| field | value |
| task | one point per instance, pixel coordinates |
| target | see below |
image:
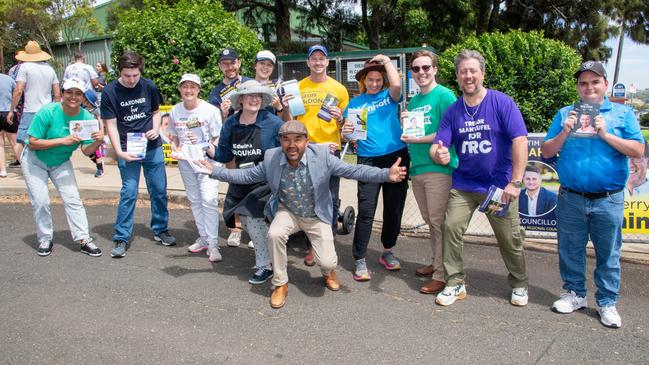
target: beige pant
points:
(319, 233)
(431, 190)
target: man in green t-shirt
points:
(48, 158)
(431, 183)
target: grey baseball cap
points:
(592, 66)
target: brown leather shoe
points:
(432, 287)
(425, 271)
(309, 259)
(331, 281)
(278, 298)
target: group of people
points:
(284, 170)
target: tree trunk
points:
(282, 24)
(371, 32)
(620, 44)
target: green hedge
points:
(185, 37)
(535, 71)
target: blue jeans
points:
(601, 219)
(156, 183)
(23, 126)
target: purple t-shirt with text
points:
(483, 143)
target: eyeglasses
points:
(426, 68)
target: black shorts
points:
(4, 126)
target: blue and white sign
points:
(619, 90)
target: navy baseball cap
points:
(228, 54)
(317, 47)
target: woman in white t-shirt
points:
(193, 129)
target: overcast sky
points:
(634, 66)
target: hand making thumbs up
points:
(397, 173)
(439, 153)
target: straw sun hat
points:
(33, 53)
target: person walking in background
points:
(7, 128)
(380, 88)
(37, 81)
(130, 107)
(197, 122)
(431, 182)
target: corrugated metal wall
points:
(97, 50)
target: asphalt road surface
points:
(165, 305)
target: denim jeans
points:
(579, 218)
(25, 122)
(156, 183)
(202, 193)
(36, 175)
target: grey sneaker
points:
(214, 255)
(609, 317)
(165, 238)
(234, 239)
(390, 262)
(361, 273)
(569, 302)
(89, 248)
(119, 250)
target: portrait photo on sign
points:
(539, 193)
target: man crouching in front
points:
(298, 175)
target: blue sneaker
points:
(165, 238)
(260, 276)
(119, 250)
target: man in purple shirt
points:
(487, 131)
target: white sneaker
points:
(450, 294)
(251, 245)
(609, 317)
(214, 254)
(234, 239)
(3, 173)
(519, 297)
(569, 302)
(198, 246)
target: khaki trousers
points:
(319, 233)
(431, 190)
(510, 236)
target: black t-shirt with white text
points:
(132, 107)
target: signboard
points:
(619, 90)
(542, 180)
(354, 66)
(633, 88)
(413, 88)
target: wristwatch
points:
(517, 183)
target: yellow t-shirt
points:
(313, 95)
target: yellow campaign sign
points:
(636, 213)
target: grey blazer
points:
(322, 165)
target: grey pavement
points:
(163, 305)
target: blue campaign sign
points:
(619, 90)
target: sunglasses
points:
(426, 68)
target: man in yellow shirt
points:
(315, 89)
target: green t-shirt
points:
(433, 105)
(50, 122)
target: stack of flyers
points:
(194, 126)
(136, 144)
(325, 110)
(493, 203)
(358, 117)
(586, 113)
(192, 153)
(295, 105)
(413, 123)
(84, 128)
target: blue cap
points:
(318, 47)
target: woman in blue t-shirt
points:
(380, 145)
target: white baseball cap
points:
(190, 77)
(74, 84)
(265, 55)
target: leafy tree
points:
(535, 71)
(75, 19)
(335, 19)
(279, 21)
(644, 120)
(185, 37)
